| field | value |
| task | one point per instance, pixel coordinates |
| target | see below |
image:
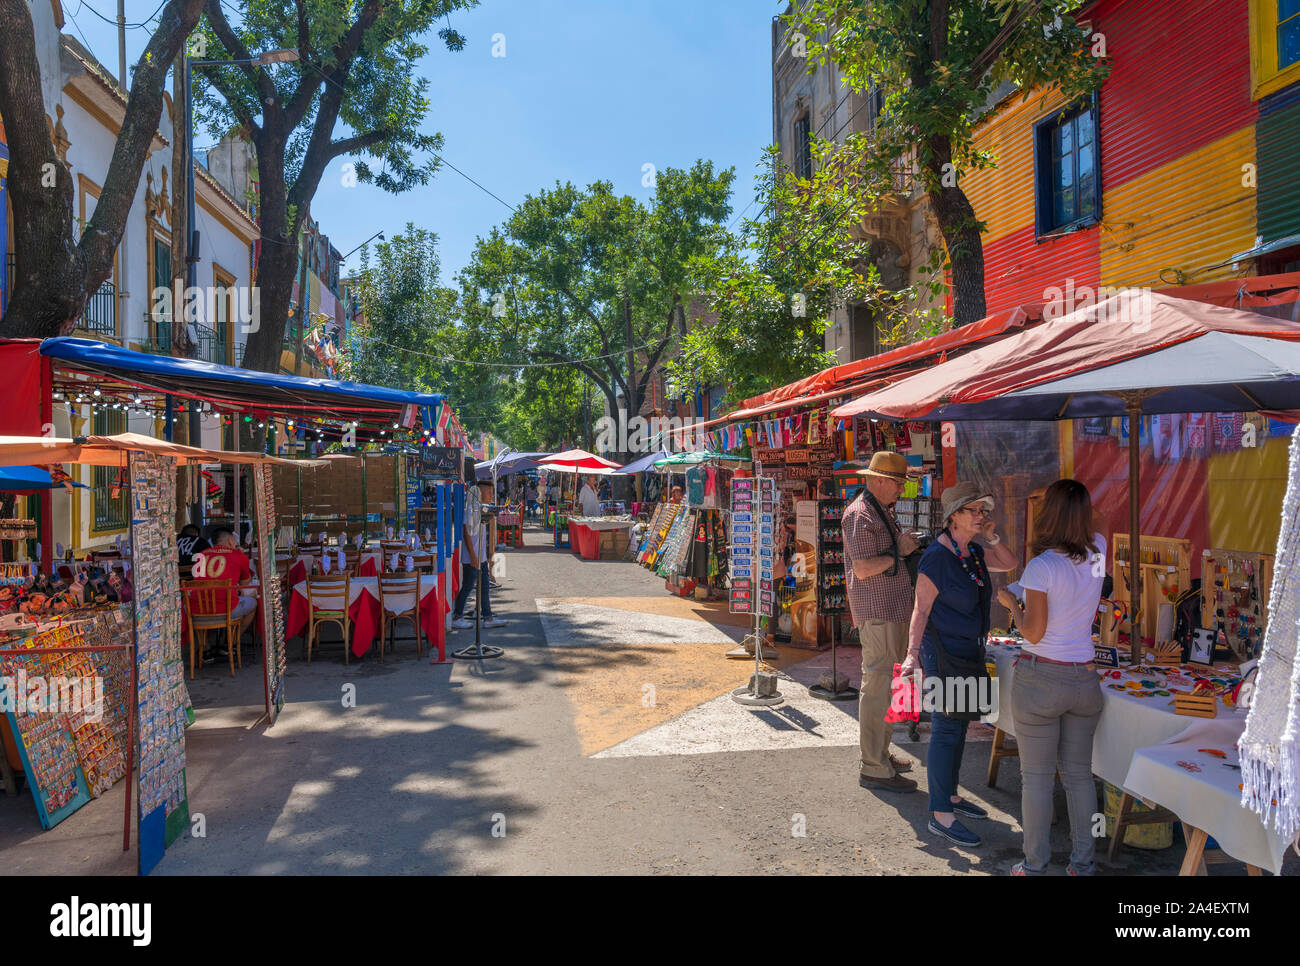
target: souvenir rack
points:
(1165, 571)
(1235, 585)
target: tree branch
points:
(229, 39)
(214, 77)
(989, 55)
(349, 145)
(343, 52)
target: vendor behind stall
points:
(588, 500)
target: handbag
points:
(970, 672)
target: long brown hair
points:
(1064, 521)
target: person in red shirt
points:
(225, 561)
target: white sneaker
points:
(494, 622)
(461, 623)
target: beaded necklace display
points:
(962, 557)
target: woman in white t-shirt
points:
(1056, 694)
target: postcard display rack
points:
(273, 659)
(163, 710)
(70, 753)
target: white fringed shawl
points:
(1270, 745)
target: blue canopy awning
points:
(644, 463)
(19, 479)
(168, 374)
(510, 463)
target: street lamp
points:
(378, 234)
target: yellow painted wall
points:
(1187, 215)
(1003, 196)
(1245, 496)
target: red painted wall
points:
(1018, 270)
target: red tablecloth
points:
(584, 541)
(364, 611)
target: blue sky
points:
(587, 90)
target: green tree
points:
(56, 272)
(772, 287)
(938, 62)
(597, 280)
(356, 65)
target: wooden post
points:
(1134, 401)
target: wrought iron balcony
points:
(159, 340)
(100, 316)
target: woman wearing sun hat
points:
(954, 591)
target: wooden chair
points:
(327, 603)
(424, 562)
(351, 560)
(207, 608)
(394, 591)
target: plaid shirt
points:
(866, 535)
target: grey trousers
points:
(1056, 708)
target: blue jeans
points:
(947, 743)
(469, 576)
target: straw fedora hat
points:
(892, 466)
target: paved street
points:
(555, 743)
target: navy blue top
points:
(956, 614)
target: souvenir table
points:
(1132, 716)
(584, 533)
(363, 607)
(1191, 776)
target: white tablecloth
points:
(602, 523)
(1210, 799)
(1126, 724)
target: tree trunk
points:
(961, 233)
(277, 262)
(54, 273)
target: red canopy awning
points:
(1122, 327)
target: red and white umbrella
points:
(579, 461)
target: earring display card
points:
(273, 652)
(163, 703)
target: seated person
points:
(189, 542)
(225, 561)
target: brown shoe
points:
(896, 784)
(900, 764)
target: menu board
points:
(441, 462)
(753, 531)
(414, 491)
(273, 658)
(163, 703)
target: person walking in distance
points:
(880, 602)
(474, 562)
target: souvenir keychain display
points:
(832, 591)
(1235, 586)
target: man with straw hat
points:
(880, 602)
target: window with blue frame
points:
(1067, 169)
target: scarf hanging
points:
(1270, 745)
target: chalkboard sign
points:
(441, 462)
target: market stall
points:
(127, 633)
(1142, 354)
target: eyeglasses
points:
(978, 510)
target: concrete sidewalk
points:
(550, 760)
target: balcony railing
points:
(212, 347)
(159, 340)
(101, 312)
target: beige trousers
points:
(884, 644)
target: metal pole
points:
(191, 278)
(1134, 528)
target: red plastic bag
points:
(904, 698)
